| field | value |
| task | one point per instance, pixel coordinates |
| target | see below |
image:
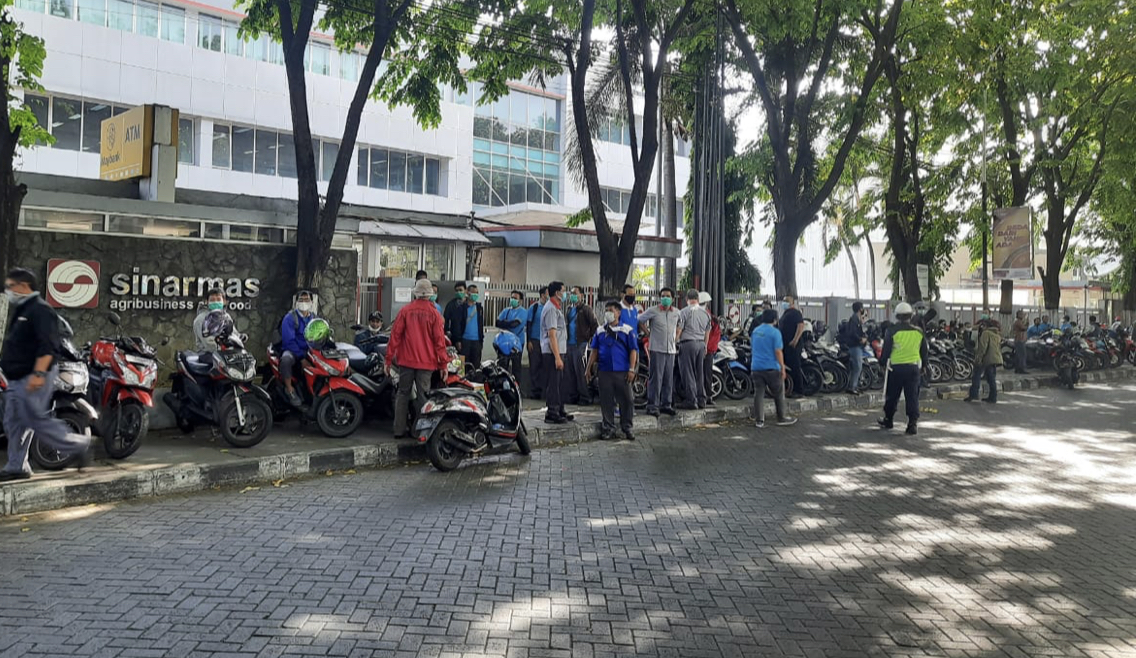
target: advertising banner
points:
(124, 152)
(1013, 244)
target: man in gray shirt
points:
(663, 323)
(691, 351)
(553, 345)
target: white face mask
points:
(609, 317)
(17, 297)
(304, 307)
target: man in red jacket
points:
(418, 348)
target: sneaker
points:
(685, 406)
(669, 411)
(653, 412)
(911, 431)
(568, 417)
(555, 420)
(7, 476)
(885, 423)
(759, 424)
(785, 422)
(628, 435)
(853, 392)
(710, 403)
(294, 398)
(606, 436)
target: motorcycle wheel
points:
(866, 378)
(523, 445)
(639, 388)
(738, 386)
(812, 377)
(877, 376)
(717, 385)
(1114, 359)
(934, 372)
(835, 377)
(126, 427)
(258, 420)
(1132, 357)
(53, 460)
(339, 418)
(963, 370)
(443, 456)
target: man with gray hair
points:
(692, 350)
(418, 348)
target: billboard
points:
(124, 152)
(1013, 244)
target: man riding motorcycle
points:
(365, 339)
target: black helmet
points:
(216, 324)
(375, 315)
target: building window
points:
(148, 18)
(38, 6)
(265, 160)
(209, 32)
(121, 15)
(173, 24)
(617, 201)
(154, 227)
(92, 11)
(329, 152)
(93, 115)
(384, 169)
(436, 259)
(286, 156)
(58, 220)
(234, 45)
(615, 130)
(186, 151)
(244, 148)
(516, 150)
(350, 65)
(40, 108)
(399, 260)
(66, 123)
(317, 58)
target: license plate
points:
(424, 427)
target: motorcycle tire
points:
(866, 378)
(523, 445)
(963, 370)
(738, 386)
(835, 377)
(443, 456)
(125, 428)
(934, 372)
(340, 415)
(877, 375)
(53, 460)
(812, 377)
(948, 370)
(1132, 357)
(1114, 359)
(258, 421)
(717, 385)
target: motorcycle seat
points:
(197, 364)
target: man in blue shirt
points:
(473, 329)
(615, 349)
(628, 311)
(513, 319)
(536, 359)
(1035, 330)
(767, 368)
(434, 298)
(294, 347)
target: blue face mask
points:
(782, 307)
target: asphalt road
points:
(1005, 530)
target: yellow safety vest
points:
(905, 346)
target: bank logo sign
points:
(73, 283)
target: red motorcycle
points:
(123, 372)
(328, 395)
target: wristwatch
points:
(39, 373)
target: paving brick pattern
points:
(998, 531)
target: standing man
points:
(216, 303)
(418, 348)
(28, 360)
(987, 360)
(294, 345)
(767, 368)
(454, 317)
(663, 324)
(513, 319)
(854, 340)
(553, 347)
(713, 338)
(420, 274)
(582, 326)
(792, 327)
(434, 298)
(615, 349)
(1020, 329)
(473, 331)
(628, 311)
(904, 353)
(692, 351)
(537, 366)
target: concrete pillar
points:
(161, 184)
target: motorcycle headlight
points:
(129, 377)
(72, 378)
(238, 366)
(326, 365)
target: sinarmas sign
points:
(75, 284)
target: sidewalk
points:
(170, 463)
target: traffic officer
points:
(904, 353)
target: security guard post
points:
(905, 351)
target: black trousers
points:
(554, 387)
(513, 365)
(793, 363)
(903, 379)
(536, 372)
(471, 350)
(615, 390)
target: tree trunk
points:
(1129, 263)
(1054, 258)
(11, 198)
(871, 262)
(786, 235)
(852, 262)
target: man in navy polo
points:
(615, 349)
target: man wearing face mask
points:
(454, 317)
(581, 327)
(513, 320)
(473, 327)
(434, 298)
(663, 324)
(554, 346)
(367, 340)
(615, 349)
(28, 360)
(692, 351)
(628, 311)
(537, 366)
(294, 346)
(216, 303)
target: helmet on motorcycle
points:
(507, 343)
(216, 325)
(317, 331)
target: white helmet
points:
(903, 309)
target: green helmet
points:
(317, 331)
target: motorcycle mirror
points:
(114, 318)
(165, 341)
(244, 338)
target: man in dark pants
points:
(536, 357)
(473, 329)
(418, 348)
(792, 326)
(1021, 328)
(692, 352)
(581, 327)
(553, 347)
(454, 317)
(28, 361)
(905, 352)
(615, 349)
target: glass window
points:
(61, 8)
(265, 156)
(330, 152)
(463, 97)
(518, 108)
(93, 12)
(433, 168)
(214, 231)
(397, 177)
(93, 115)
(185, 141)
(257, 49)
(38, 6)
(242, 233)
(286, 156)
(536, 111)
(414, 174)
(121, 14)
(231, 37)
(379, 161)
(39, 107)
(269, 234)
(55, 220)
(222, 146)
(243, 148)
(275, 52)
(362, 167)
(173, 24)
(209, 33)
(516, 188)
(481, 187)
(436, 259)
(319, 58)
(67, 121)
(399, 260)
(154, 226)
(534, 192)
(500, 188)
(349, 65)
(482, 127)
(147, 18)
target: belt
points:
(692, 340)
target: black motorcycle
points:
(469, 417)
(215, 388)
(368, 370)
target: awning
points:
(422, 232)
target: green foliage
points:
(21, 57)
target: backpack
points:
(844, 333)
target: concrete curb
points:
(42, 495)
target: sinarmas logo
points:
(73, 283)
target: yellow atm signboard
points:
(127, 141)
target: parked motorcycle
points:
(469, 417)
(68, 402)
(368, 371)
(215, 388)
(736, 381)
(124, 370)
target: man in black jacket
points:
(28, 361)
(454, 316)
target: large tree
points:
(423, 43)
(21, 64)
(814, 65)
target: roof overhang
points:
(422, 232)
(578, 240)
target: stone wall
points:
(259, 279)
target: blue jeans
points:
(855, 366)
(990, 373)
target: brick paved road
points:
(1004, 531)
